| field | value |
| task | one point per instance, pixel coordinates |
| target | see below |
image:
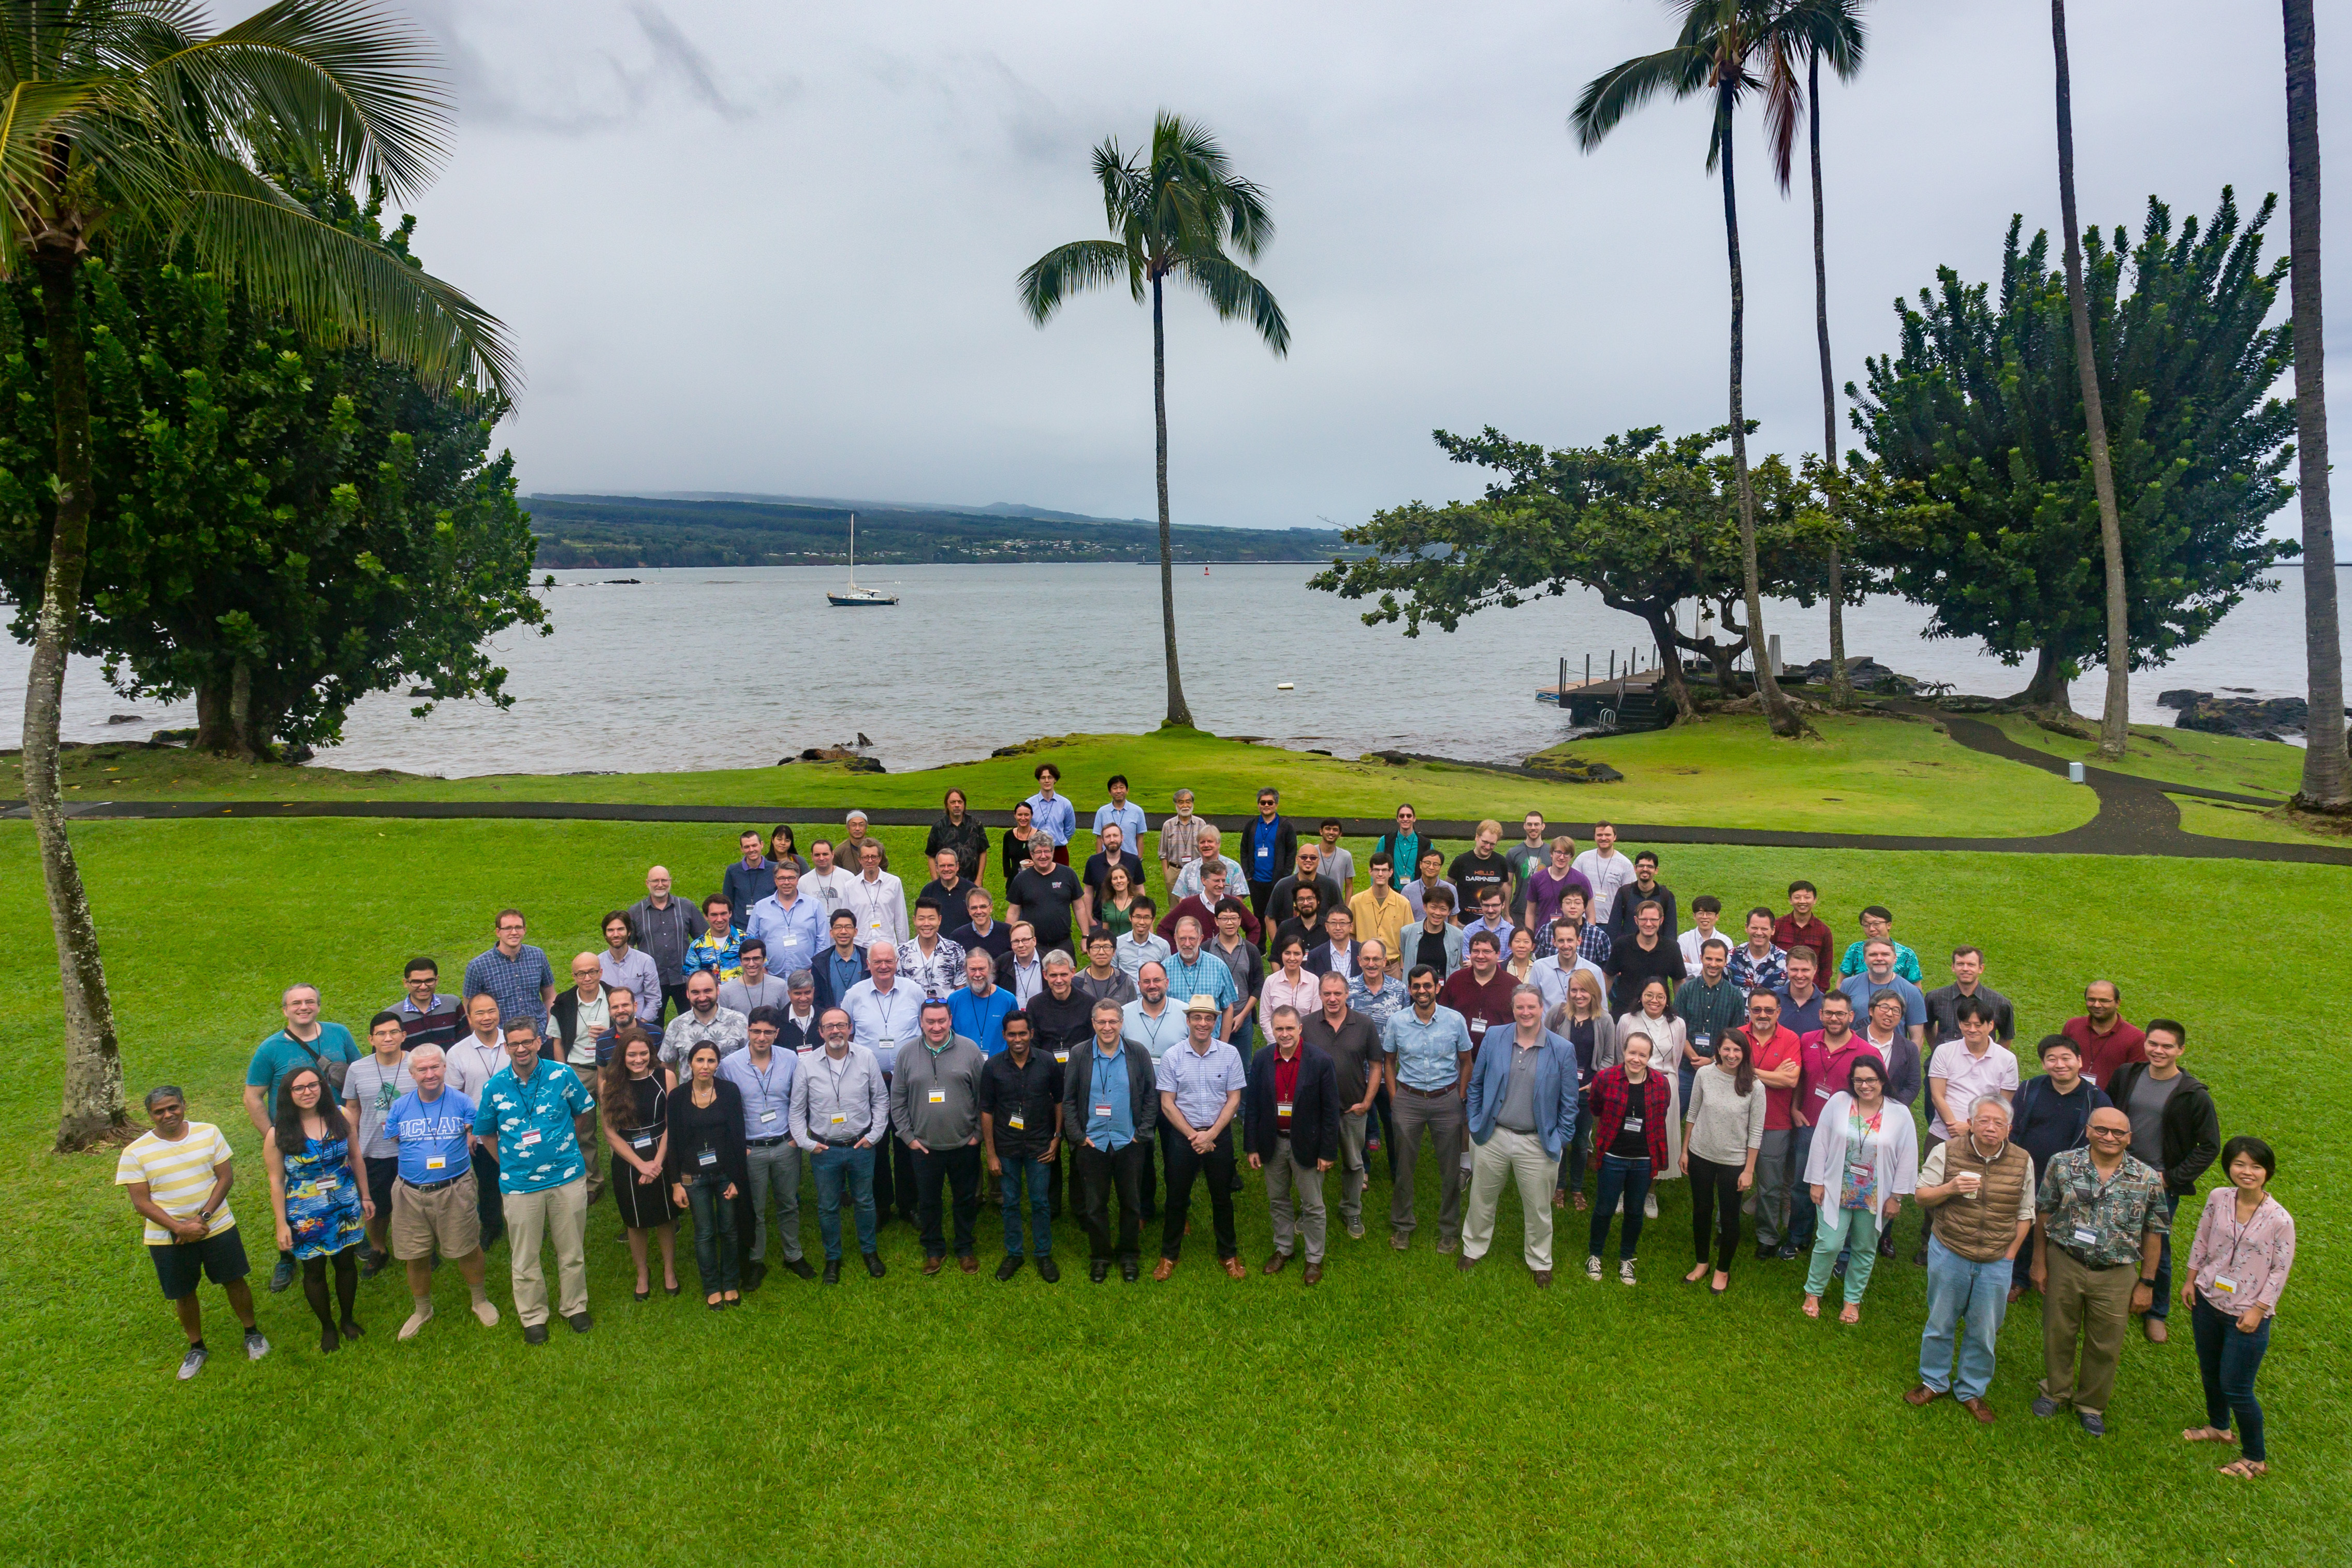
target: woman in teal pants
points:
(1865, 1157)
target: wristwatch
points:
(2149, 1283)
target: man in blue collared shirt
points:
(791, 923)
(1108, 1092)
(977, 1008)
(1118, 810)
(1428, 1051)
(1052, 811)
(1192, 972)
(1200, 1083)
(763, 1075)
(534, 1109)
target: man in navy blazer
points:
(1522, 1110)
(1290, 1129)
(835, 972)
(1339, 931)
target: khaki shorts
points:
(446, 1218)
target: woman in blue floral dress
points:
(320, 1217)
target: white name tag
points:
(1062, 1056)
(530, 1139)
(1632, 1124)
(767, 1115)
(1102, 1110)
(1018, 1122)
(435, 1162)
(2085, 1238)
(708, 1158)
(2227, 1287)
(837, 1118)
(643, 1141)
(939, 1097)
(1282, 1107)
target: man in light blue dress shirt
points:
(1428, 1051)
(1200, 1083)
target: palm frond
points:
(1785, 106)
(1074, 268)
(337, 285)
(339, 80)
(1616, 92)
(1233, 293)
(30, 114)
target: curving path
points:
(2135, 816)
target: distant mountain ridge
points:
(718, 530)
(850, 503)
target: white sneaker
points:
(486, 1311)
(255, 1347)
(1593, 1268)
(1650, 1205)
(1625, 1271)
(194, 1362)
(416, 1320)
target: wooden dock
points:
(1620, 702)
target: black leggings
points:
(1713, 1186)
(347, 1283)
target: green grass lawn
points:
(1396, 1414)
(2174, 756)
(1865, 775)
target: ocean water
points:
(699, 668)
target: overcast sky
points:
(772, 247)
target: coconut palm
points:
(2114, 721)
(1714, 53)
(1816, 30)
(2325, 786)
(1176, 211)
(130, 122)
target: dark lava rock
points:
(126, 718)
(1572, 770)
(2254, 718)
(2181, 698)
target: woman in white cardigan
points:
(1865, 1157)
(1669, 1048)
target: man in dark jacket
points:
(1267, 847)
(1111, 1103)
(2052, 1115)
(2175, 1128)
(1290, 1128)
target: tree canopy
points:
(1982, 408)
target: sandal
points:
(1812, 1306)
(2205, 1434)
(2244, 1470)
(1851, 1315)
(1577, 1197)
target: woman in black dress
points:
(1016, 842)
(708, 1171)
(956, 829)
(629, 1092)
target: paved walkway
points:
(2135, 816)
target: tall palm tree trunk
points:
(2115, 722)
(1178, 713)
(1841, 689)
(1777, 706)
(92, 1103)
(2325, 784)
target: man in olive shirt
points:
(2102, 1224)
(935, 1110)
(1353, 1044)
(1021, 1128)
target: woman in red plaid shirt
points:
(1630, 1107)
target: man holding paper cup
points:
(1978, 1189)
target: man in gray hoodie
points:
(935, 1110)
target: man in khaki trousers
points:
(530, 1109)
(2101, 1223)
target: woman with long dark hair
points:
(321, 1218)
(708, 1170)
(2245, 1248)
(957, 830)
(1723, 1132)
(1631, 1104)
(782, 847)
(1119, 893)
(630, 1094)
(1015, 846)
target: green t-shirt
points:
(281, 1053)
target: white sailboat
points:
(853, 594)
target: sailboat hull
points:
(860, 599)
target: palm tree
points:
(1832, 28)
(2115, 722)
(2325, 786)
(1712, 54)
(130, 122)
(1175, 211)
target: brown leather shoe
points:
(2157, 1332)
(1277, 1264)
(1543, 1279)
(1980, 1409)
(968, 1264)
(1167, 1267)
(1921, 1394)
(1313, 1274)
(933, 1265)
(1236, 1267)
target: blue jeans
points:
(2229, 1361)
(834, 1168)
(1629, 1180)
(1803, 1218)
(2162, 1306)
(714, 1234)
(1034, 1177)
(1966, 1302)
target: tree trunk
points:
(1841, 689)
(92, 1107)
(1178, 713)
(2115, 722)
(1671, 685)
(2327, 780)
(1782, 713)
(2048, 687)
(214, 732)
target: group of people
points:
(1533, 1012)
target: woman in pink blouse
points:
(1291, 986)
(2245, 1246)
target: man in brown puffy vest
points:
(1978, 1192)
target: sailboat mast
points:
(853, 550)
